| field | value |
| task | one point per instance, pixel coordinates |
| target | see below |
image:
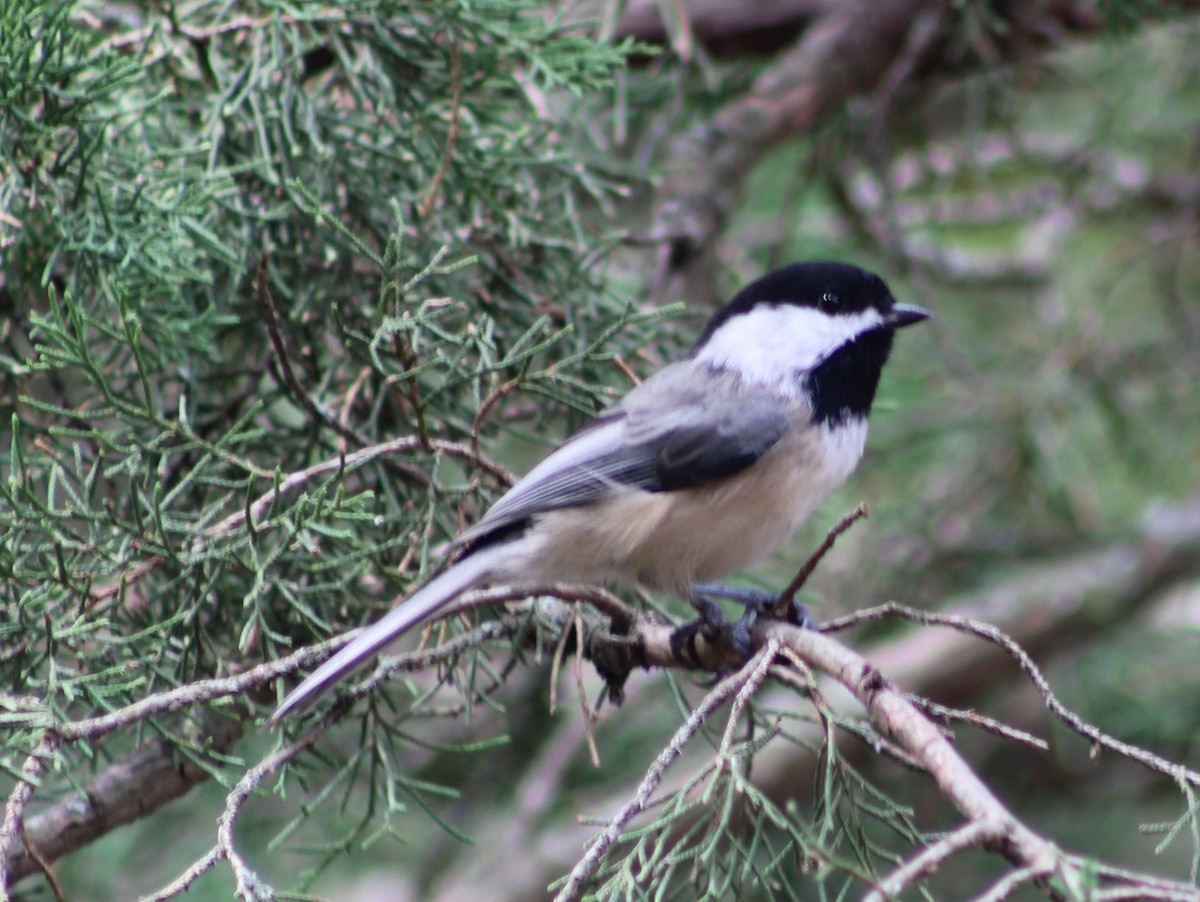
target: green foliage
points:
(718, 836)
(423, 230)
(150, 170)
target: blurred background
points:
(478, 222)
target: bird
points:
(698, 472)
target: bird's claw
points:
(756, 604)
(711, 620)
(795, 613)
(709, 623)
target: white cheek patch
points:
(771, 343)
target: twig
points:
(196, 693)
(997, 637)
(879, 744)
(932, 857)
(348, 402)
(560, 648)
(426, 206)
(754, 680)
(248, 885)
(485, 408)
(979, 721)
(589, 716)
(813, 691)
(352, 461)
(586, 868)
(407, 354)
(1133, 878)
(106, 591)
(788, 595)
(181, 883)
(12, 828)
(1144, 894)
(299, 395)
(1009, 884)
(860, 731)
(897, 717)
(505, 628)
(43, 866)
(624, 367)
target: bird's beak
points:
(905, 315)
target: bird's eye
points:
(829, 301)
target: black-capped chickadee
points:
(700, 471)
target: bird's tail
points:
(467, 573)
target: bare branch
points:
(188, 877)
(643, 642)
(1009, 884)
(1177, 772)
(134, 787)
(980, 722)
(932, 857)
(895, 716)
(841, 54)
(823, 549)
(12, 830)
(248, 885)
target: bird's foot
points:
(709, 623)
(757, 604)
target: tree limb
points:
(843, 50)
(138, 785)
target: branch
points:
(12, 829)
(248, 885)
(1176, 772)
(356, 459)
(971, 835)
(787, 595)
(635, 640)
(725, 29)
(843, 51)
(989, 821)
(1076, 597)
(1047, 609)
(899, 719)
(294, 481)
(135, 787)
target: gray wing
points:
(658, 441)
